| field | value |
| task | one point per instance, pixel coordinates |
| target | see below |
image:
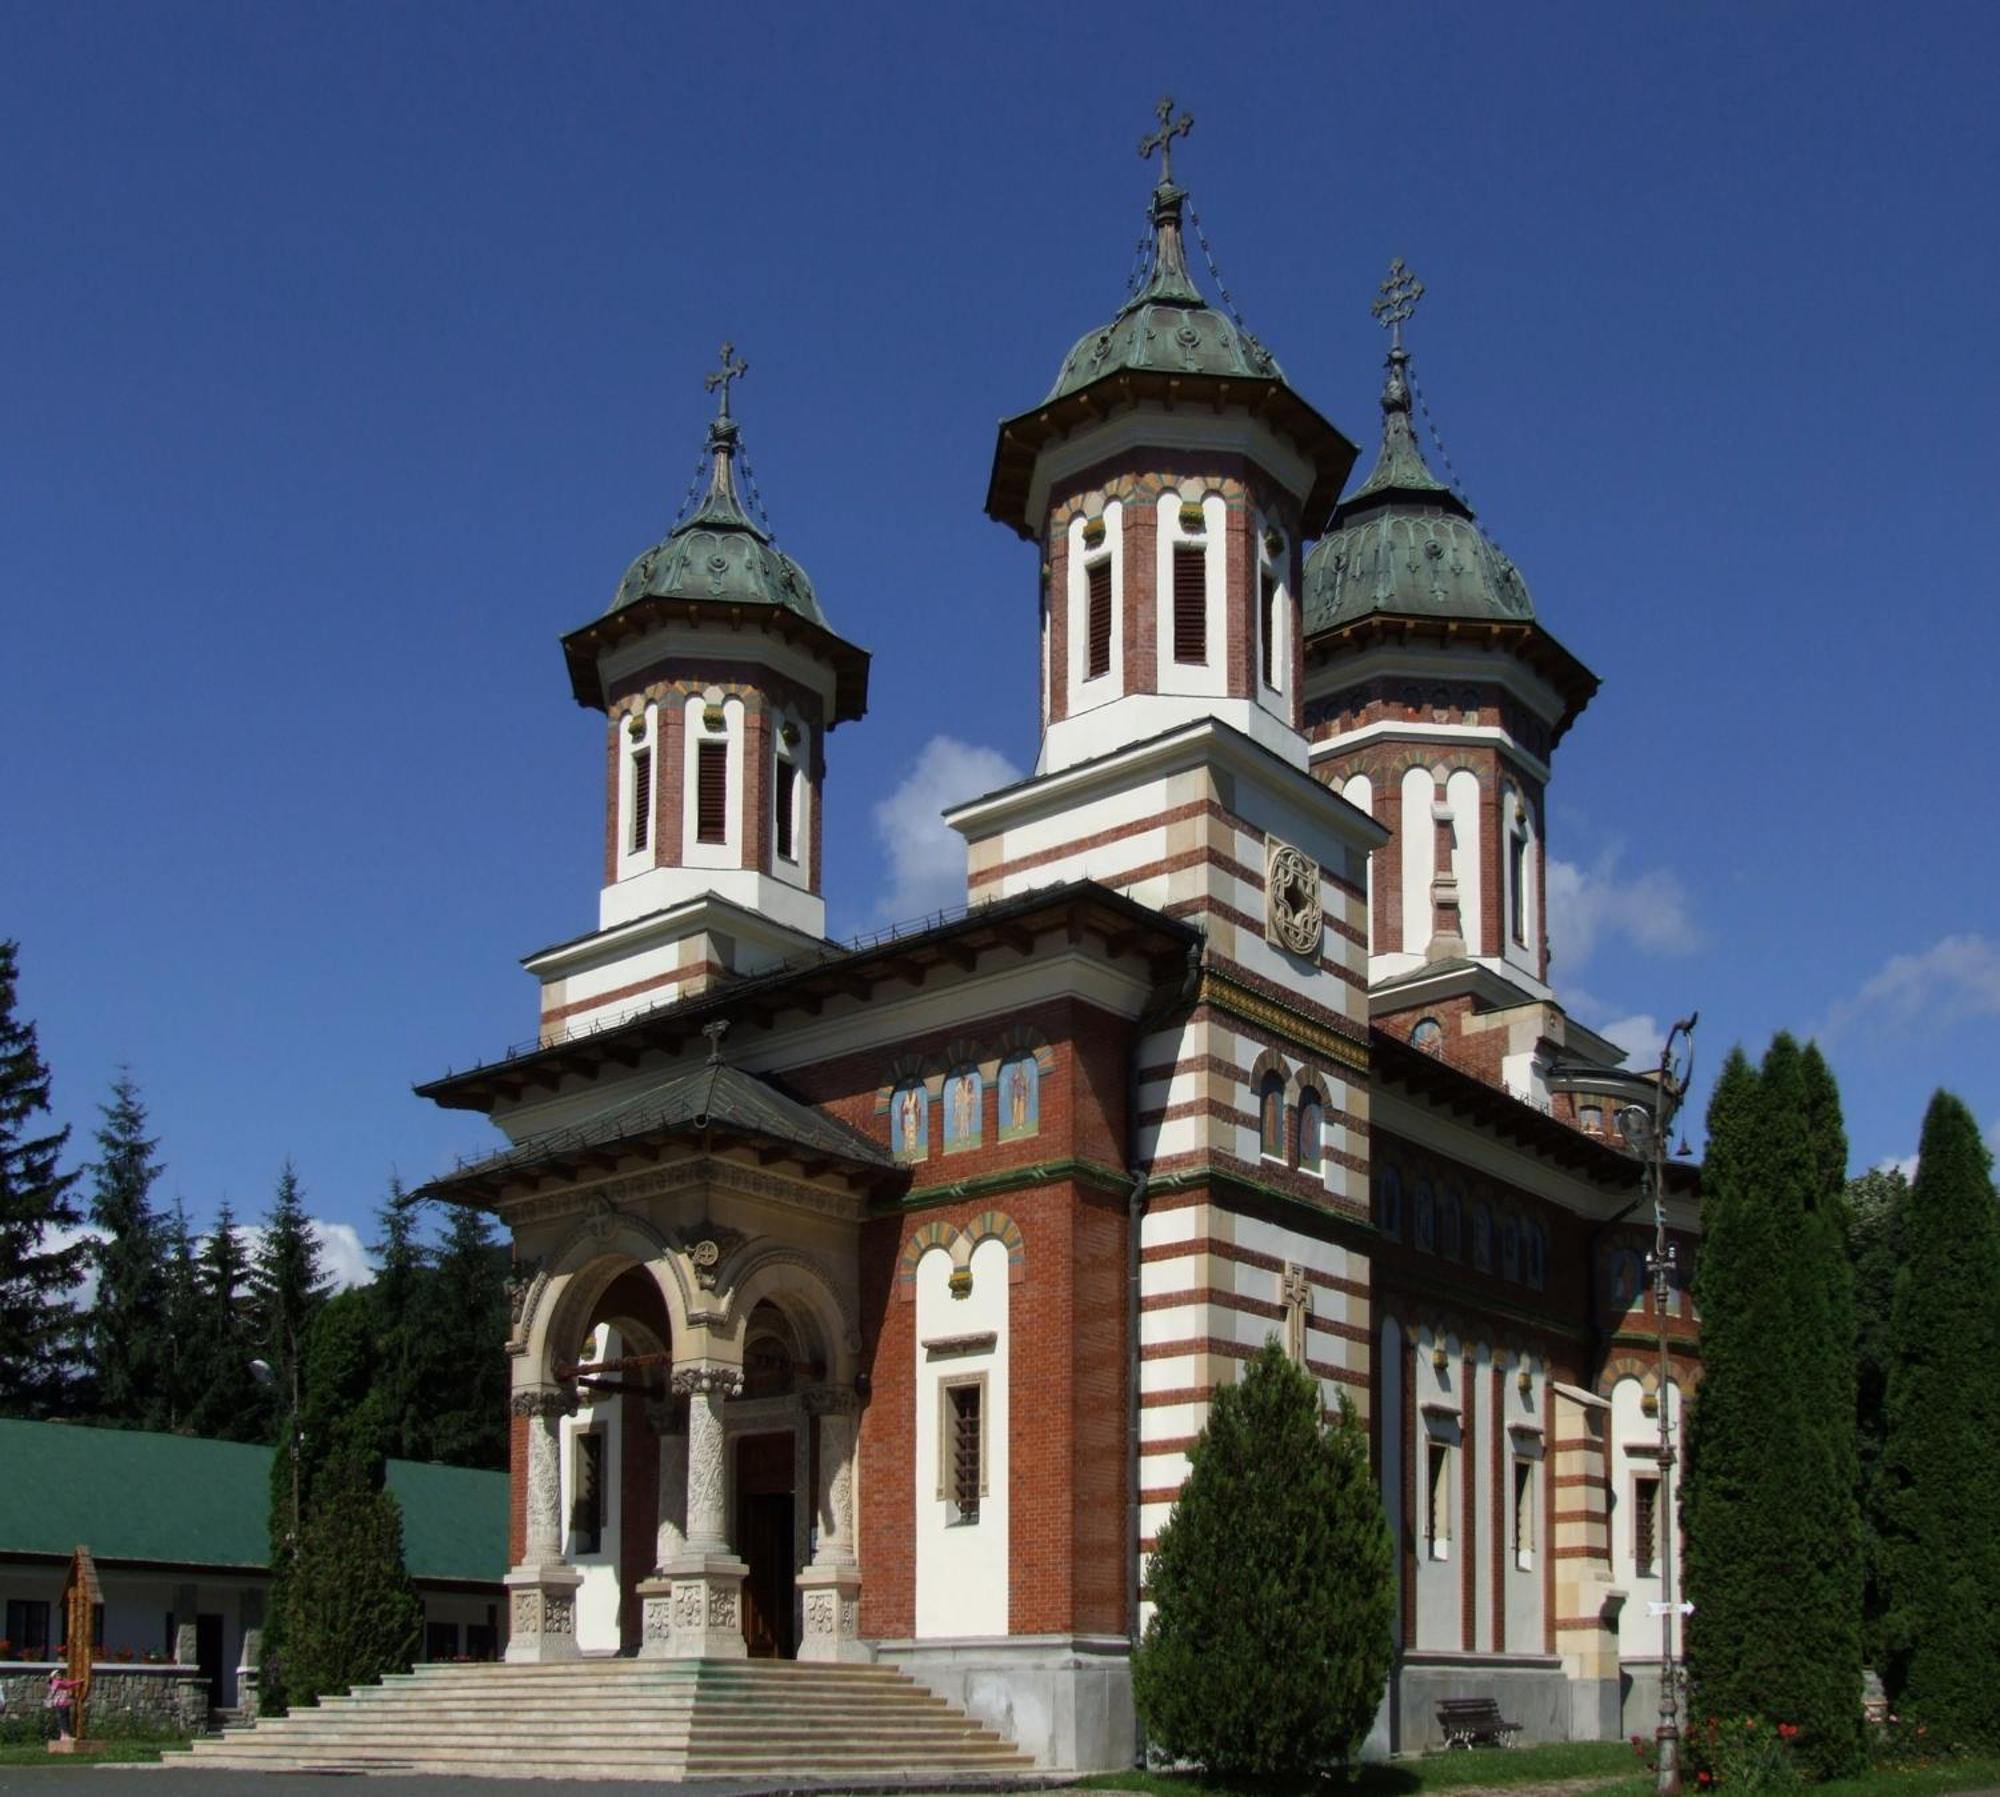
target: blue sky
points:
(348, 354)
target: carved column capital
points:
(708, 1378)
(543, 1401)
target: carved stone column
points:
(542, 1589)
(831, 1585)
(703, 1614)
(668, 1417)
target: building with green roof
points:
(178, 1527)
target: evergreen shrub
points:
(1270, 1643)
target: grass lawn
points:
(1611, 1766)
(136, 1751)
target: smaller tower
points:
(1434, 701)
(719, 678)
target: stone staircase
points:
(630, 1719)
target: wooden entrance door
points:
(764, 1518)
(208, 1655)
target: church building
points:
(868, 1299)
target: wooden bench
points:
(1466, 1720)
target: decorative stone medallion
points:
(1293, 918)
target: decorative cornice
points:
(1010, 1179)
(1233, 998)
(543, 1401)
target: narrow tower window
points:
(1517, 882)
(787, 801)
(586, 1510)
(1524, 1514)
(1097, 647)
(1645, 1526)
(1437, 1501)
(965, 1475)
(1268, 610)
(711, 795)
(1190, 603)
(642, 798)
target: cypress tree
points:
(37, 1273)
(1767, 1506)
(1877, 1206)
(125, 1335)
(1270, 1641)
(345, 1608)
(1940, 1500)
(464, 1331)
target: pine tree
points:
(181, 1283)
(464, 1331)
(1940, 1501)
(37, 1273)
(1270, 1644)
(1877, 1207)
(401, 1286)
(227, 1402)
(125, 1331)
(1767, 1505)
(288, 1282)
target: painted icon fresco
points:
(910, 1123)
(962, 1110)
(1020, 1098)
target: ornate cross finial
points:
(1163, 139)
(1398, 301)
(732, 369)
(715, 1032)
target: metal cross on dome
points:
(733, 369)
(1398, 301)
(1163, 139)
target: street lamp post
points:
(260, 1370)
(1647, 1131)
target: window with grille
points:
(1268, 611)
(711, 793)
(1645, 1526)
(1437, 1504)
(642, 798)
(1097, 636)
(1190, 603)
(964, 1446)
(586, 1506)
(1524, 1514)
(787, 802)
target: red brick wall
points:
(517, 1490)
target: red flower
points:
(1704, 1779)
(1922, 1730)
(1788, 1730)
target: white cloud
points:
(1640, 1036)
(1955, 978)
(1905, 1165)
(926, 858)
(1588, 906)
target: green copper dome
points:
(1404, 543)
(1167, 326)
(717, 553)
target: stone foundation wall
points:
(124, 1699)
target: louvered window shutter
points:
(1190, 603)
(711, 796)
(1098, 657)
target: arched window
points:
(1271, 1117)
(1020, 1097)
(1510, 1248)
(910, 1122)
(963, 1109)
(1311, 1127)
(1451, 1225)
(1537, 1246)
(1426, 1219)
(1482, 1236)
(1389, 1202)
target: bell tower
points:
(1435, 699)
(719, 679)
